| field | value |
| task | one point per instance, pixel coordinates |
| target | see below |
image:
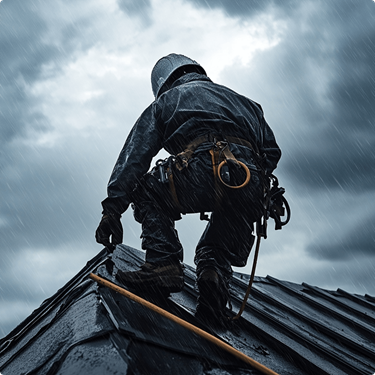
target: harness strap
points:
(182, 159)
(215, 155)
(172, 188)
(220, 154)
(223, 147)
(248, 290)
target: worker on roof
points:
(216, 139)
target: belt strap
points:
(182, 159)
(173, 191)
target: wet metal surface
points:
(88, 329)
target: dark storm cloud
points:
(341, 159)
(22, 56)
(338, 150)
(246, 7)
(353, 89)
(358, 242)
(31, 180)
(335, 148)
(320, 82)
(48, 200)
(20, 40)
(41, 203)
(140, 8)
(24, 53)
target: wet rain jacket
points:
(193, 107)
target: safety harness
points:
(274, 203)
(221, 156)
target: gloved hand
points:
(110, 225)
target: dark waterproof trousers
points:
(227, 239)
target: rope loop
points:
(244, 166)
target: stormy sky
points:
(75, 76)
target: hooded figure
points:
(220, 147)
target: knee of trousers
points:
(215, 258)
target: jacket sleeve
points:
(269, 147)
(143, 143)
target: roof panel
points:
(291, 328)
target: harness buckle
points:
(162, 168)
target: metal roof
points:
(290, 328)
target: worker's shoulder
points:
(242, 97)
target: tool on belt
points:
(165, 175)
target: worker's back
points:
(195, 106)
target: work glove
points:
(109, 226)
